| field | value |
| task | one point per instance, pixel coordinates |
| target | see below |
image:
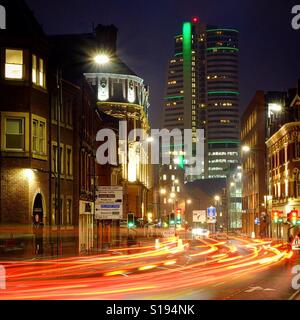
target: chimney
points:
(106, 37)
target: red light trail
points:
(147, 271)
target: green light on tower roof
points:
(187, 56)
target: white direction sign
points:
(109, 203)
(199, 216)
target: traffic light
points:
(275, 216)
(172, 219)
(293, 217)
(280, 216)
(178, 220)
(130, 220)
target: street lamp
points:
(189, 201)
(163, 191)
(217, 198)
(102, 59)
(246, 149)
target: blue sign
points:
(211, 212)
(110, 206)
(257, 221)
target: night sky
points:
(270, 48)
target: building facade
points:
(253, 135)
(234, 199)
(283, 179)
(48, 126)
(202, 93)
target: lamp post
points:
(217, 199)
(58, 176)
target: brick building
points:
(40, 109)
(24, 111)
(284, 178)
(253, 135)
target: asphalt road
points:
(205, 269)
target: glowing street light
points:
(217, 198)
(163, 191)
(246, 149)
(189, 201)
(102, 59)
(173, 195)
(275, 107)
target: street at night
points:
(200, 269)
(150, 157)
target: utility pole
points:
(59, 108)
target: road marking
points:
(294, 295)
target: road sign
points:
(199, 216)
(211, 215)
(109, 203)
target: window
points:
(38, 71)
(35, 135)
(54, 212)
(14, 64)
(34, 69)
(42, 140)
(38, 136)
(41, 73)
(14, 133)
(69, 212)
(69, 159)
(68, 110)
(55, 158)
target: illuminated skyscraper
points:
(203, 91)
